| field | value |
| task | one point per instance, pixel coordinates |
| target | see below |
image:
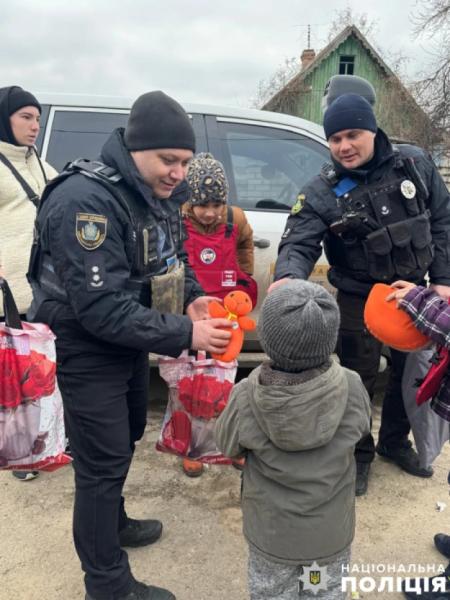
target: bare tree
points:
(432, 91)
(269, 87)
(345, 17)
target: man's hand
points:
(402, 288)
(198, 309)
(276, 284)
(207, 336)
(442, 290)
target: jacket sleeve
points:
(439, 205)
(192, 288)
(245, 252)
(227, 426)
(300, 245)
(95, 280)
(430, 314)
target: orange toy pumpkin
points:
(390, 324)
(236, 305)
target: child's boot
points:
(192, 468)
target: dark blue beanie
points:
(349, 111)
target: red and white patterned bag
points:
(199, 389)
(31, 413)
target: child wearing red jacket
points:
(219, 241)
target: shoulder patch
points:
(91, 230)
(299, 204)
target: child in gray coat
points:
(297, 418)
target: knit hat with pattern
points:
(207, 180)
(298, 325)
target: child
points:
(431, 315)
(297, 418)
(219, 241)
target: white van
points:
(268, 157)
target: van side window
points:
(269, 165)
(78, 134)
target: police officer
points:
(110, 278)
(383, 213)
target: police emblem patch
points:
(314, 579)
(408, 189)
(91, 230)
(299, 204)
(207, 256)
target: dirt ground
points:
(202, 554)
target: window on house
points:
(346, 65)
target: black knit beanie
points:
(158, 121)
(13, 98)
(349, 111)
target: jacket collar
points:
(206, 229)
(16, 153)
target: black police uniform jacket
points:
(394, 245)
(91, 269)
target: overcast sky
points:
(209, 51)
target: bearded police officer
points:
(383, 213)
(110, 278)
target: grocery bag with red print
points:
(31, 413)
(199, 389)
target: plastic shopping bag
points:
(199, 389)
(429, 430)
(31, 413)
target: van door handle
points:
(261, 242)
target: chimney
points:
(307, 57)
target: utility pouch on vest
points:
(355, 252)
(422, 241)
(402, 252)
(168, 291)
(379, 247)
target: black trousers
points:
(359, 350)
(105, 394)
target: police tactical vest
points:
(154, 248)
(383, 231)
